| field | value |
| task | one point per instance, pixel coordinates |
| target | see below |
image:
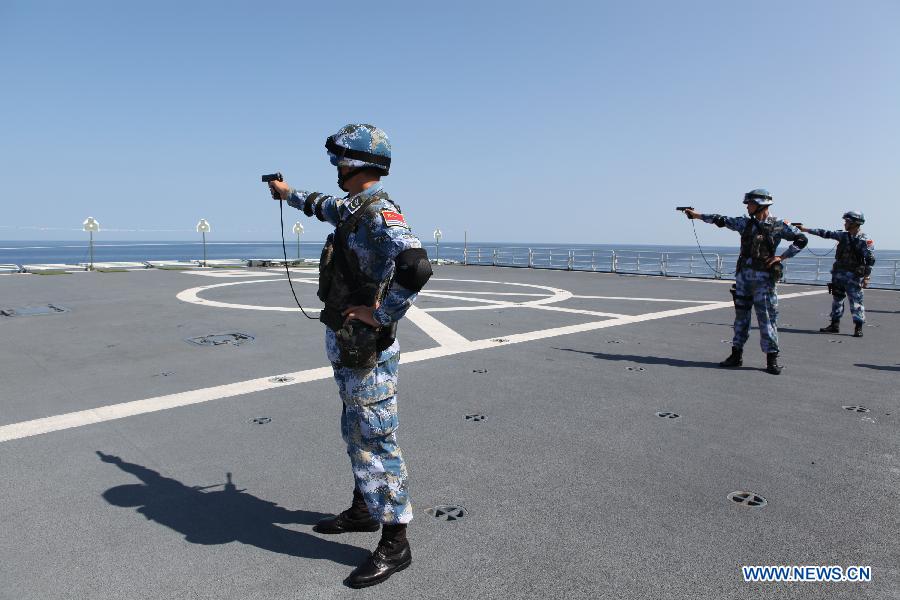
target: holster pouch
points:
(837, 290)
(358, 344)
(740, 302)
(777, 272)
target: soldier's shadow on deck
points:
(879, 367)
(647, 360)
(222, 513)
(786, 329)
(813, 331)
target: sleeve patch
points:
(393, 219)
(870, 242)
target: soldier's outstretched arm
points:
(732, 223)
(313, 204)
(824, 233)
(321, 206)
(796, 237)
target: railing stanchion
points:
(612, 262)
(531, 258)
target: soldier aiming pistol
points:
(758, 270)
(371, 270)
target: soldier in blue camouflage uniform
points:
(758, 270)
(371, 270)
(853, 262)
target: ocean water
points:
(75, 252)
(810, 266)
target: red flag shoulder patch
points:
(393, 219)
(870, 242)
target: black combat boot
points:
(835, 327)
(772, 365)
(857, 332)
(391, 555)
(736, 359)
(355, 518)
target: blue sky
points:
(515, 121)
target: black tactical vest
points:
(758, 244)
(342, 284)
(341, 281)
(846, 257)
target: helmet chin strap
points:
(342, 179)
(759, 207)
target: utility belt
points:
(759, 264)
(839, 289)
(359, 344)
(857, 270)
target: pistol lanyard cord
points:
(286, 269)
(827, 253)
(711, 268)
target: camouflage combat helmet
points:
(360, 146)
(759, 196)
(855, 217)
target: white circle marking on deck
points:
(554, 295)
(192, 296)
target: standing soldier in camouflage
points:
(758, 270)
(853, 262)
(372, 267)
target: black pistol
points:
(273, 177)
(684, 208)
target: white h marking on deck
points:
(451, 343)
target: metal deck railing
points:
(814, 270)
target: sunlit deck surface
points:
(574, 487)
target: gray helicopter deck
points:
(137, 464)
